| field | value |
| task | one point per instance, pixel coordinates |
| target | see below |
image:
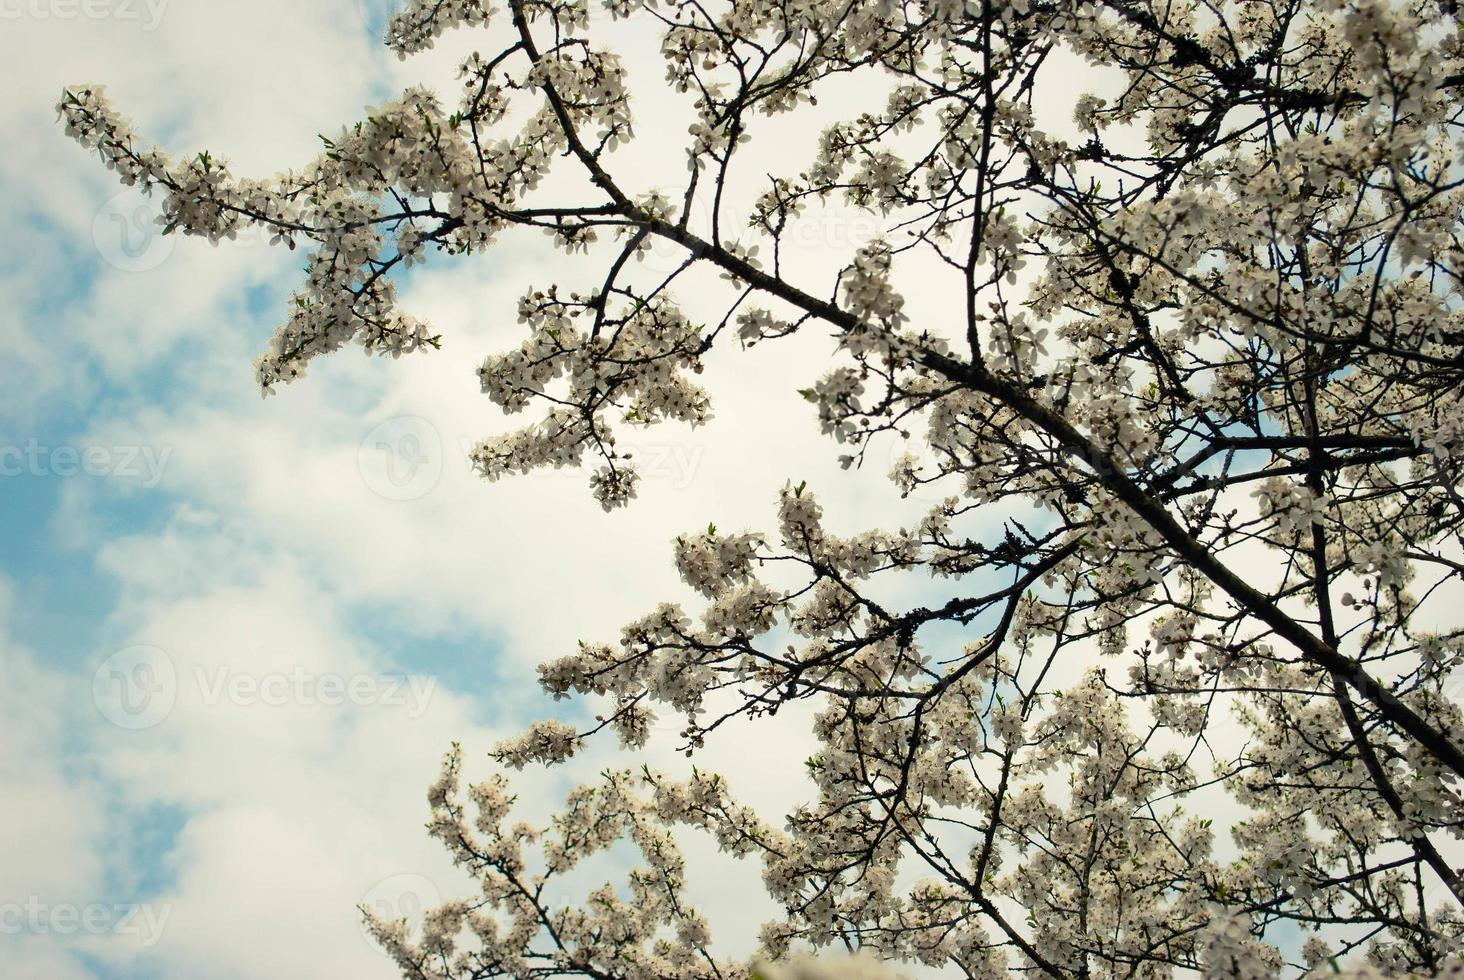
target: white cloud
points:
(57, 813)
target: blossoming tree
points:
(1189, 401)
